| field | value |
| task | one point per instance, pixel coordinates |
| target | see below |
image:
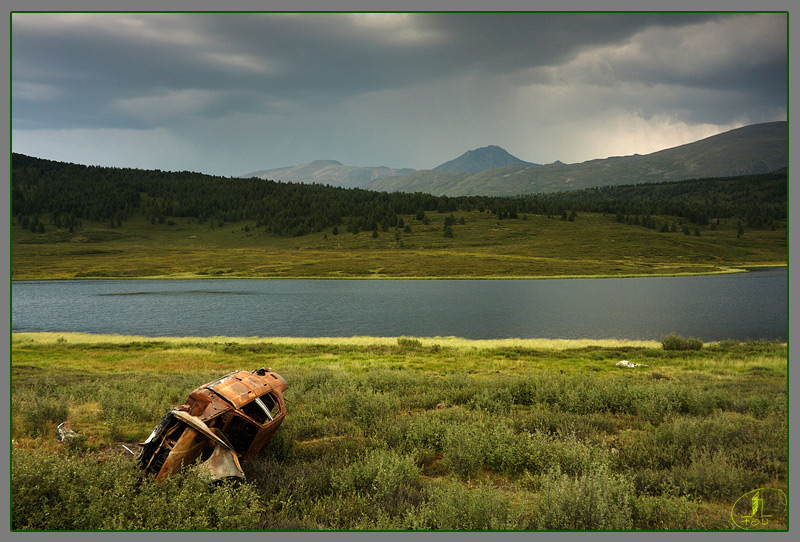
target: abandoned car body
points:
(223, 423)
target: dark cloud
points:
(179, 71)
(311, 58)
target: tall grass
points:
(82, 493)
(399, 435)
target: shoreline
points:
(78, 338)
(745, 268)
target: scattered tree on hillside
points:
(65, 194)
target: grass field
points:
(536, 246)
(408, 434)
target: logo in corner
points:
(762, 508)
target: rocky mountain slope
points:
(481, 159)
(753, 149)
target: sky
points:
(233, 93)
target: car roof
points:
(241, 387)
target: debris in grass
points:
(222, 423)
(65, 433)
(626, 363)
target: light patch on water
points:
(177, 292)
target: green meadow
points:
(409, 434)
(482, 246)
(405, 433)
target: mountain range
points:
(329, 172)
(492, 171)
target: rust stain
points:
(223, 423)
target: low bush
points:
(596, 500)
(676, 342)
(404, 343)
(108, 493)
(451, 506)
(715, 475)
(41, 415)
(674, 442)
(372, 412)
(379, 473)
(663, 513)
(559, 423)
(494, 445)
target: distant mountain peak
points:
(481, 159)
(319, 163)
(749, 150)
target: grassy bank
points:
(483, 246)
(439, 433)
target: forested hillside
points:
(68, 193)
(47, 194)
(757, 200)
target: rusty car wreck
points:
(222, 423)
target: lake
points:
(738, 306)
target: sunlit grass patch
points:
(450, 342)
(418, 433)
(594, 245)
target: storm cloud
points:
(237, 92)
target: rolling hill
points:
(329, 172)
(754, 149)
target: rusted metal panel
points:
(224, 422)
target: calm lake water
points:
(740, 306)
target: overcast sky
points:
(228, 94)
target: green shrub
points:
(378, 473)
(409, 344)
(451, 506)
(108, 493)
(426, 430)
(597, 500)
(676, 342)
(675, 442)
(372, 412)
(663, 513)
(352, 511)
(467, 449)
(281, 446)
(497, 399)
(297, 480)
(459, 389)
(493, 444)
(714, 475)
(559, 423)
(306, 424)
(41, 415)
